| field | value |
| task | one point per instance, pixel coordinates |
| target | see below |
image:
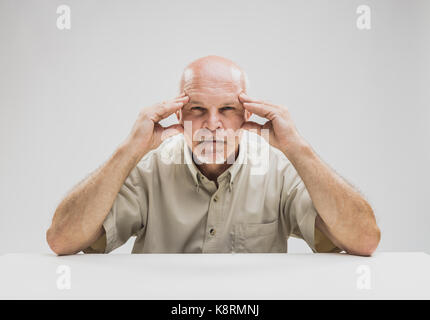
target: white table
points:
(403, 275)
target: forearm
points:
(78, 220)
(346, 214)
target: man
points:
(217, 197)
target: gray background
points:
(361, 98)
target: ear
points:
(179, 116)
(247, 115)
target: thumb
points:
(171, 131)
(252, 126)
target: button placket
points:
(213, 215)
(209, 245)
(215, 218)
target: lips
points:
(212, 141)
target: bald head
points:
(213, 72)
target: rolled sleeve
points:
(126, 217)
(301, 215)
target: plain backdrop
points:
(359, 97)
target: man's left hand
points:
(282, 131)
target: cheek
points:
(234, 123)
(234, 120)
(191, 125)
(190, 116)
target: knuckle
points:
(143, 114)
(162, 109)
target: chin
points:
(211, 158)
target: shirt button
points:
(212, 232)
(216, 198)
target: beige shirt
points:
(171, 207)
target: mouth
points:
(211, 141)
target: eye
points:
(197, 108)
(227, 108)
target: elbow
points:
(53, 242)
(369, 237)
(56, 244)
(368, 243)
(374, 242)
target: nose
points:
(213, 121)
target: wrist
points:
(296, 149)
(131, 150)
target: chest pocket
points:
(258, 238)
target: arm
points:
(78, 220)
(344, 216)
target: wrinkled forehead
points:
(228, 81)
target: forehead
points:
(216, 92)
(207, 92)
(212, 82)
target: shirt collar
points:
(190, 163)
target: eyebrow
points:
(194, 102)
(224, 104)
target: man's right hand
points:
(89, 202)
(147, 134)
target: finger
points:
(171, 131)
(183, 99)
(166, 109)
(252, 126)
(260, 109)
(182, 94)
(243, 97)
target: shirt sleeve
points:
(300, 213)
(126, 218)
